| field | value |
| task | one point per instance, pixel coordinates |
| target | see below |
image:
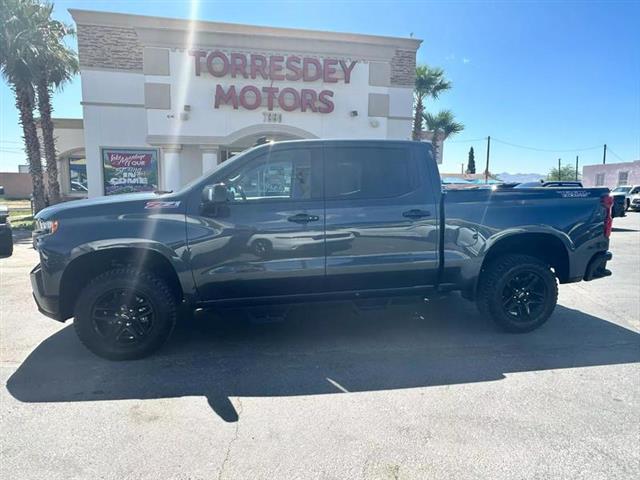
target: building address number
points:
(271, 117)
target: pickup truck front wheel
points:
(519, 292)
(125, 314)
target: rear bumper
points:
(47, 305)
(597, 267)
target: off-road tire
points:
(493, 281)
(153, 288)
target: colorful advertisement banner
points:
(129, 170)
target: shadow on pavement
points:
(321, 350)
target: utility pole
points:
(576, 168)
(559, 171)
(462, 168)
(486, 170)
(604, 154)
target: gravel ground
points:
(414, 391)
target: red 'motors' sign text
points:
(275, 68)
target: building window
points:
(599, 179)
(623, 178)
(78, 174)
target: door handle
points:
(303, 218)
(416, 213)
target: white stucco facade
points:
(197, 92)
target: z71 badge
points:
(160, 204)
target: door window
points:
(357, 172)
(281, 175)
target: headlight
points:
(47, 227)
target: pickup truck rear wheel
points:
(125, 314)
(519, 292)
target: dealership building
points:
(165, 100)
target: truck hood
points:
(56, 211)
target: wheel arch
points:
(542, 245)
(83, 268)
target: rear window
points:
(357, 172)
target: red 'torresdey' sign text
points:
(275, 68)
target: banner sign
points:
(129, 170)
(273, 68)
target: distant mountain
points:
(519, 177)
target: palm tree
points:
(430, 82)
(442, 125)
(17, 48)
(55, 66)
(443, 121)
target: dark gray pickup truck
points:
(305, 221)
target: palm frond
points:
(444, 120)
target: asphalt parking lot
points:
(414, 391)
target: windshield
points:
(622, 189)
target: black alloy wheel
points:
(519, 292)
(524, 296)
(123, 316)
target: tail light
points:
(607, 203)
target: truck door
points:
(380, 199)
(268, 237)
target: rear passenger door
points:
(380, 217)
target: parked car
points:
(6, 236)
(634, 202)
(625, 191)
(128, 267)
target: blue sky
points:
(556, 76)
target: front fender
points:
(178, 258)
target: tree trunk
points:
(24, 104)
(417, 120)
(44, 106)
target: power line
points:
(468, 141)
(546, 149)
(614, 154)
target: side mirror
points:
(218, 193)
